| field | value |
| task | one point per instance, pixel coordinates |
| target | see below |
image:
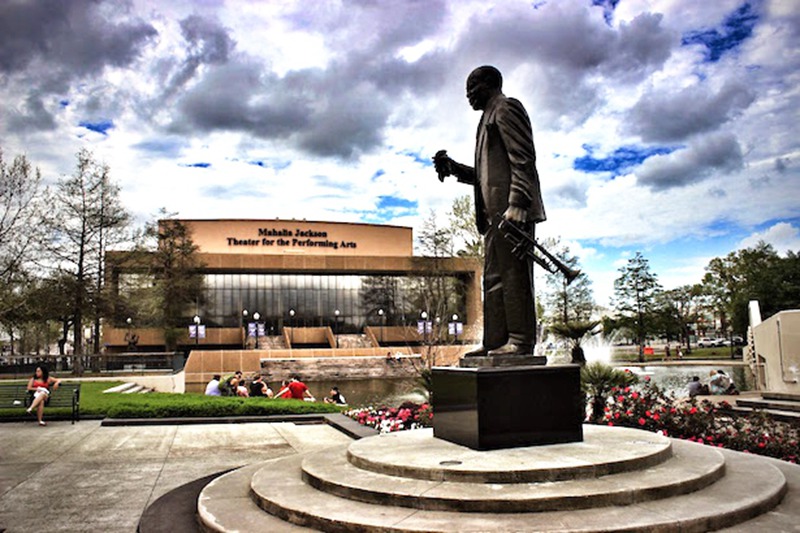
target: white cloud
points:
(326, 97)
(782, 236)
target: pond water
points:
(673, 379)
(362, 392)
(393, 392)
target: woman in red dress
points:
(40, 384)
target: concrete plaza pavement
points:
(87, 477)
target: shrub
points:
(162, 405)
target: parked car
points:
(710, 342)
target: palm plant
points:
(597, 381)
(575, 332)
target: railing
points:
(23, 366)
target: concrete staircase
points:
(782, 406)
(129, 388)
(617, 479)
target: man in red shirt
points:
(299, 390)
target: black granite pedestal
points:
(493, 408)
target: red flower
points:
(693, 410)
(656, 417)
(634, 395)
(642, 421)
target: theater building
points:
(323, 287)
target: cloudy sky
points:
(667, 127)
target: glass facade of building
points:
(315, 298)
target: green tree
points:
(634, 297)
(756, 273)
(572, 302)
(678, 309)
(177, 281)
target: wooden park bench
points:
(16, 395)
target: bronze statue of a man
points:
(506, 184)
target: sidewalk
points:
(85, 477)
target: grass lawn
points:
(163, 405)
(631, 355)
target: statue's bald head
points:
(488, 75)
(483, 84)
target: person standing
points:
(506, 185)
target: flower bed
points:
(643, 406)
(409, 415)
(647, 407)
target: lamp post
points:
(424, 316)
(455, 327)
(256, 316)
(381, 314)
(730, 340)
(291, 326)
(244, 324)
(129, 334)
(336, 314)
(196, 321)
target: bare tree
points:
(88, 217)
(22, 212)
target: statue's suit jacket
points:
(505, 174)
(505, 163)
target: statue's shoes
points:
(512, 349)
(477, 352)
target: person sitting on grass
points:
(336, 397)
(39, 385)
(212, 389)
(259, 388)
(230, 384)
(284, 392)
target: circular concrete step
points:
(682, 493)
(419, 455)
(691, 468)
(225, 505)
(750, 487)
